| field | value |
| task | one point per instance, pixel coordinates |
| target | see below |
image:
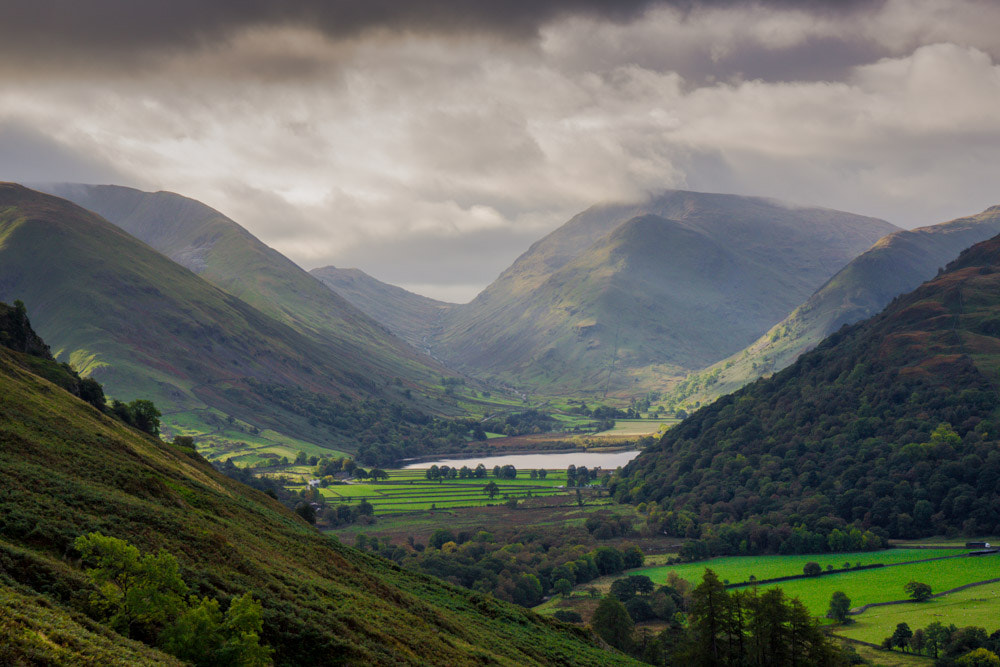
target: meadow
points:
(861, 586)
(978, 606)
(637, 427)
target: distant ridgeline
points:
(888, 429)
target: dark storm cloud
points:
(49, 29)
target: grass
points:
(739, 568)
(218, 440)
(637, 427)
(411, 491)
(862, 587)
(978, 606)
(67, 470)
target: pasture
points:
(636, 427)
(861, 586)
(411, 491)
(978, 606)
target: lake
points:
(605, 460)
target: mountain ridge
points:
(895, 265)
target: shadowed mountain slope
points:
(627, 294)
(67, 470)
(225, 254)
(147, 327)
(414, 318)
(895, 265)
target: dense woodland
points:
(887, 430)
(519, 564)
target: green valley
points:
(68, 471)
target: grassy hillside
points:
(622, 297)
(228, 256)
(412, 317)
(895, 265)
(890, 425)
(66, 470)
(146, 327)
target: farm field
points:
(411, 491)
(636, 427)
(978, 606)
(886, 584)
(739, 568)
(863, 586)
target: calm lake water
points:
(607, 461)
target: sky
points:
(430, 142)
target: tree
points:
(301, 458)
(979, 657)
(709, 608)
(901, 637)
(812, 569)
(92, 392)
(204, 636)
(918, 641)
(633, 557)
(145, 416)
(306, 511)
(563, 587)
(613, 624)
(840, 607)
(918, 591)
(542, 473)
(439, 537)
(134, 591)
(937, 637)
(631, 586)
(491, 489)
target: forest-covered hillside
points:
(889, 426)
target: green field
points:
(978, 606)
(863, 587)
(735, 569)
(410, 491)
(637, 427)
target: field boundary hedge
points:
(864, 608)
(793, 577)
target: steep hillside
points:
(146, 327)
(890, 425)
(228, 256)
(66, 470)
(627, 294)
(895, 265)
(414, 318)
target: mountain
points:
(895, 265)
(626, 296)
(146, 327)
(889, 425)
(225, 254)
(67, 470)
(412, 317)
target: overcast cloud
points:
(430, 143)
